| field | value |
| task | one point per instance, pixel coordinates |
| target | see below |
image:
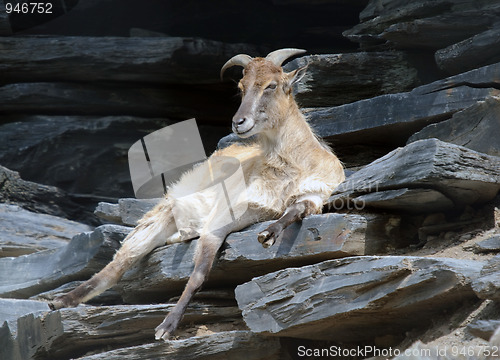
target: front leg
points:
(305, 205)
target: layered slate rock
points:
(456, 175)
(492, 244)
(337, 79)
(487, 286)
(127, 212)
(484, 328)
(95, 151)
(355, 298)
(390, 118)
(12, 309)
(319, 237)
(36, 197)
(475, 128)
(108, 99)
(242, 345)
(24, 232)
(74, 332)
(85, 254)
(474, 52)
(434, 25)
(172, 60)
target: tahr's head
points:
(266, 91)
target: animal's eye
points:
(271, 86)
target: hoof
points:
(56, 304)
(166, 328)
(266, 238)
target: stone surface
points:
(24, 232)
(319, 237)
(337, 79)
(39, 198)
(474, 52)
(404, 199)
(483, 328)
(108, 99)
(132, 210)
(224, 345)
(69, 333)
(355, 298)
(162, 60)
(487, 286)
(475, 127)
(127, 212)
(429, 24)
(12, 309)
(449, 169)
(98, 163)
(85, 254)
(390, 118)
(108, 297)
(491, 244)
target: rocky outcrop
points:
(164, 60)
(96, 168)
(38, 198)
(404, 255)
(24, 232)
(398, 116)
(474, 127)
(82, 257)
(487, 286)
(357, 76)
(355, 297)
(423, 176)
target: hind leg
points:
(152, 231)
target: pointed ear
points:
(296, 75)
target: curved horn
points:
(237, 60)
(277, 57)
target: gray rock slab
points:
(108, 297)
(73, 332)
(85, 254)
(224, 345)
(24, 232)
(36, 197)
(160, 60)
(355, 298)
(483, 328)
(474, 52)
(491, 244)
(108, 212)
(434, 24)
(404, 199)
(462, 175)
(394, 117)
(487, 285)
(32, 145)
(319, 237)
(12, 309)
(475, 127)
(144, 100)
(128, 211)
(336, 79)
(439, 31)
(132, 210)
